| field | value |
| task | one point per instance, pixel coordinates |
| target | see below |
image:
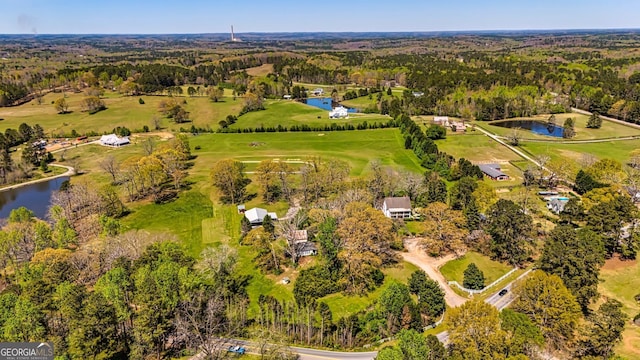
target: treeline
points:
(304, 127)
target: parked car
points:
(237, 349)
(503, 292)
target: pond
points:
(35, 197)
(325, 104)
(538, 127)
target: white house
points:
(302, 245)
(557, 205)
(397, 207)
(441, 120)
(318, 92)
(256, 216)
(286, 97)
(114, 140)
(339, 112)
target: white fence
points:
(472, 291)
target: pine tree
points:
(473, 278)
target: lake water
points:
(35, 197)
(538, 127)
(325, 104)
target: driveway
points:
(419, 258)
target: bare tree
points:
(156, 123)
(149, 146)
(201, 324)
(288, 228)
(111, 166)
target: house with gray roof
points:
(493, 172)
(397, 207)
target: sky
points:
(216, 16)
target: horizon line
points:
(345, 32)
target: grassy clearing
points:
(621, 280)
(358, 148)
(476, 147)
(608, 129)
(574, 153)
(288, 113)
(342, 305)
(182, 217)
(493, 270)
(121, 111)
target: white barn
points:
(114, 140)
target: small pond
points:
(538, 127)
(325, 104)
(35, 197)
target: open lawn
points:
(493, 270)
(608, 130)
(288, 113)
(621, 280)
(121, 111)
(342, 305)
(358, 148)
(364, 101)
(575, 153)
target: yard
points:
(621, 280)
(493, 270)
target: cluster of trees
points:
(173, 109)
(159, 173)
(33, 152)
(135, 296)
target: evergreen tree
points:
(473, 278)
(594, 122)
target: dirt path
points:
(70, 171)
(418, 257)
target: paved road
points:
(304, 353)
(500, 302)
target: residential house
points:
(493, 172)
(286, 97)
(397, 207)
(318, 92)
(557, 205)
(303, 246)
(417, 93)
(114, 140)
(257, 215)
(339, 112)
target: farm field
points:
(608, 130)
(621, 280)
(121, 111)
(288, 113)
(454, 269)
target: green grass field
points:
(621, 281)
(493, 270)
(608, 129)
(288, 113)
(617, 150)
(358, 148)
(121, 111)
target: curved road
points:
(70, 171)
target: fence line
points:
(473, 291)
